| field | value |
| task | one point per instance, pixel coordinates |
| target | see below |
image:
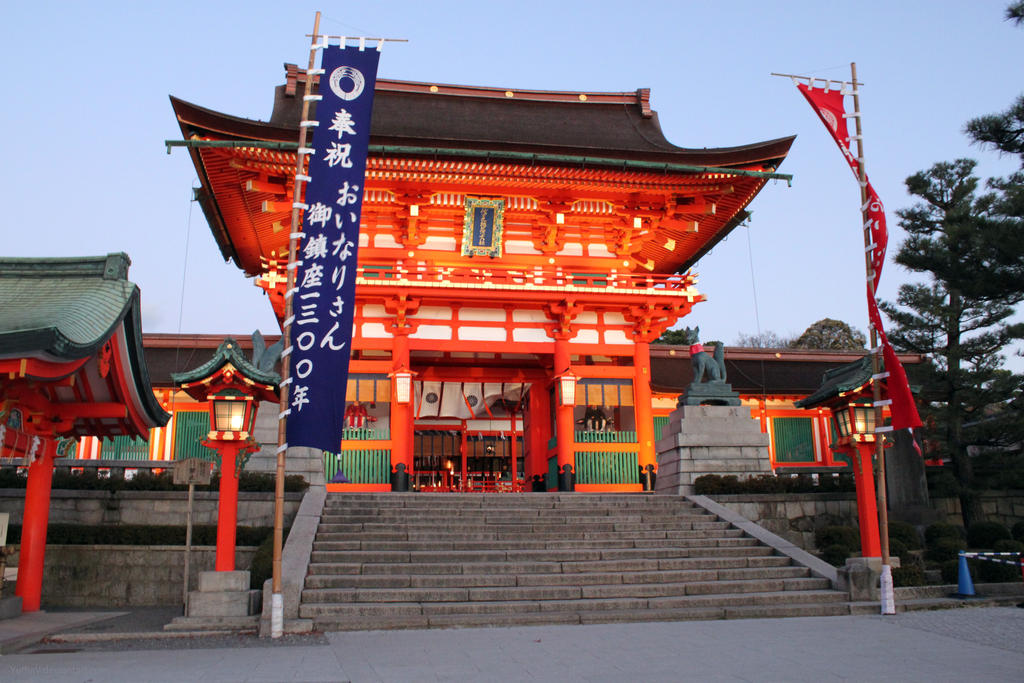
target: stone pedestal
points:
(220, 594)
(860, 577)
(707, 439)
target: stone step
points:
(537, 546)
(730, 547)
(347, 537)
(711, 586)
(482, 531)
(750, 603)
(454, 569)
(667, 520)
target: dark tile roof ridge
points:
(113, 266)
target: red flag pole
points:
(888, 599)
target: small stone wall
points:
(794, 516)
(149, 507)
(1005, 507)
(123, 575)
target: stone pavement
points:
(947, 645)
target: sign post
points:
(190, 471)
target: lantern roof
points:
(229, 366)
(839, 381)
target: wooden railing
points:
(605, 437)
(516, 279)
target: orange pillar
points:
(564, 428)
(35, 519)
(539, 433)
(401, 413)
(227, 507)
(646, 457)
(867, 507)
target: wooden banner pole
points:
(888, 605)
(277, 600)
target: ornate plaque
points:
(482, 227)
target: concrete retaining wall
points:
(124, 575)
(149, 507)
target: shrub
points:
(1000, 571)
(945, 549)
(1018, 531)
(139, 534)
(837, 535)
(898, 548)
(942, 530)
(909, 575)
(951, 571)
(985, 534)
(262, 566)
(712, 484)
(145, 480)
(835, 554)
(906, 533)
(997, 572)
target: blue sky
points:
(85, 114)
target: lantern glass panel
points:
(568, 386)
(229, 416)
(842, 419)
(865, 419)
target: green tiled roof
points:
(837, 380)
(62, 307)
(228, 352)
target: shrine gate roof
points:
(562, 137)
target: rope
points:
(757, 314)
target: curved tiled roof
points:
(65, 308)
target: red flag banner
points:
(829, 106)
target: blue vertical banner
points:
(324, 296)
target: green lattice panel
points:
(606, 467)
(365, 466)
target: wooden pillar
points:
(647, 458)
(227, 507)
(539, 433)
(401, 417)
(564, 427)
(464, 453)
(35, 520)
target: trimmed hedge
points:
(837, 535)
(139, 534)
(89, 480)
(985, 535)
(906, 534)
(712, 484)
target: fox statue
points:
(706, 364)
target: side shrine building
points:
(519, 252)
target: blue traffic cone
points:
(964, 587)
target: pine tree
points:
(829, 333)
(973, 258)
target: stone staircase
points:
(385, 561)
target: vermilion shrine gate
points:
(519, 251)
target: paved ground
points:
(947, 645)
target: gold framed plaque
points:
(482, 227)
